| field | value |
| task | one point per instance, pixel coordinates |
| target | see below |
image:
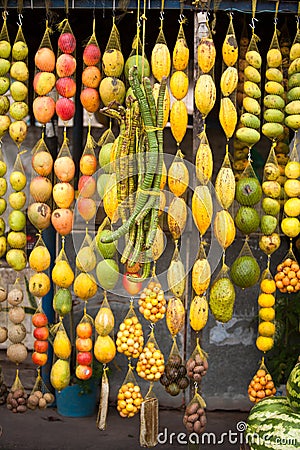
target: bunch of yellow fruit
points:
(130, 339)
(129, 400)
(151, 363)
(266, 328)
(152, 302)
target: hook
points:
(19, 21)
(161, 15)
(252, 24)
(181, 18)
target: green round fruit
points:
(142, 65)
(17, 220)
(19, 51)
(248, 191)
(3, 168)
(17, 239)
(4, 85)
(245, 271)
(17, 200)
(19, 91)
(268, 224)
(16, 259)
(271, 206)
(3, 186)
(5, 49)
(247, 219)
(17, 180)
(18, 110)
(62, 302)
(3, 206)
(107, 251)
(4, 66)
(107, 272)
(104, 157)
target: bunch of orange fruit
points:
(129, 400)
(288, 276)
(261, 386)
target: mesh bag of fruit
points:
(174, 378)
(176, 274)
(266, 302)
(152, 302)
(40, 396)
(5, 69)
(201, 272)
(245, 271)
(149, 419)
(137, 58)
(194, 418)
(261, 385)
(222, 296)
(17, 398)
(225, 183)
(130, 339)
(197, 364)
(86, 257)
(204, 159)
(151, 364)
(129, 396)
(41, 334)
(84, 347)
(42, 162)
(287, 277)
(180, 56)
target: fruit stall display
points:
(129, 184)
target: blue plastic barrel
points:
(74, 402)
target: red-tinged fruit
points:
(84, 330)
(40, 189)
(84, 358)
(132, 287)
(87, 208)
(83, 372)
(42, 163)
(62, 221)
(43, 109)
(91, 55)
(90, 99)
(64, 168)
(66, 87)
(39, 320)
(41, 333)
(65, 109)
(67, 42)
(39, 215)
(88, 164)
(86, 186)
(84, 344)
(39, 359)
(65, 65)
(45, 59)
(91, 77)
(43, 82)
(40, 346)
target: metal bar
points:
(290, 7)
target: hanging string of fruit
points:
(5, 64)
(3, 203)
(261, 385)
(19, 73)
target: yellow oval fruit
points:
(292, 169)
(206, 54)
(251, 105)
(228, 116)
(178, 120)
(252, 74)
(229, 81)
(267, 314)
(264, 344)
(202, 208)
(175, 315)
(104, 321)
(62, 274)
(113, 63)
(253, 58)
(292, 188)
(205, 94)
(224, 228)
(198, 313)
(177, 215)
(230, 50)
(201, 275)
(266, 329)
(274, 57)
(163, 179)
(60, 374)
(179, 84)
(62, 345)
(160, 61)
(290, 226)
(204, 161)
(39, 284)
(85, 286)
(295, 51)
(181, 54)
(292, 207)
(178, 178)
(266, 300)
(39, 258)
(268, 286)
(110, 199)
(104, 349)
